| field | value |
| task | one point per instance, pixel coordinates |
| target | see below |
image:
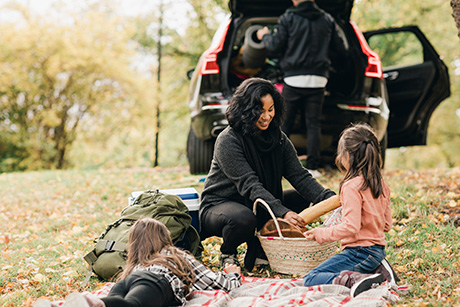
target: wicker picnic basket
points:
(293, 255)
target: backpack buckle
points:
(109, 245)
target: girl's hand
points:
(294, 219)
(310, 234)
(232, 268)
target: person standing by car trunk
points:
(303, 38)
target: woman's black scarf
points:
(264, 153)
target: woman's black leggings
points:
(141, 289)
(236, 223)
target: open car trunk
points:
(339, 9)
(344, 75)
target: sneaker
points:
(255, 255)
(344, 279)
(358, 282)
(367, 282)
(315, 173)
(387, 271)
(261, 261)
(228, 258)
(261, 258)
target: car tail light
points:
(209, 65)
(374, 66)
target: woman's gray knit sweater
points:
(232, 178)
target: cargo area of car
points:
(344, 75)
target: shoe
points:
(261, 261)
(261, 258)
(358, 282)
(315, 173)
(387, 271)
(366, 283)
(228, 258)
(255, 255)
(344, 279)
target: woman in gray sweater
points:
(251, 157)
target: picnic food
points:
(312, 213)
(313, 225)
(309, 215)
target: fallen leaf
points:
(40, 278)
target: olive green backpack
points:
(109, 254)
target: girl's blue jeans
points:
(363, 259)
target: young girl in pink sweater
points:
(366, 216)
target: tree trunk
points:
(455, 4)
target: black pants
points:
(310, 102)
(141, 289)
(236, 223)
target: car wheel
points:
(199, 153)
(383, 148)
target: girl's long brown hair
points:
(147, 238)
(362, 146)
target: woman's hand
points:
(294, 219)
(232, 268)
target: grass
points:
(49, 219)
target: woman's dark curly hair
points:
(245, 105)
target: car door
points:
(417, 81)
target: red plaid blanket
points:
(282, 292)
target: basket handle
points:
(259, 200)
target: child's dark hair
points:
(244, 109)
(147, 239)
(364, 158)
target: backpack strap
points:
(102, 246)
(194, 239)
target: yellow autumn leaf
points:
(401, 269)
(39, 278)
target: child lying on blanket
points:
(156, 274)
(366, 216)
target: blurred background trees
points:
(443, 148)
(455, 4)
(59, 78)
(77, 84)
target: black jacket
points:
(303, 38)
(232, 178)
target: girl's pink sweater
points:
(364, 218)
